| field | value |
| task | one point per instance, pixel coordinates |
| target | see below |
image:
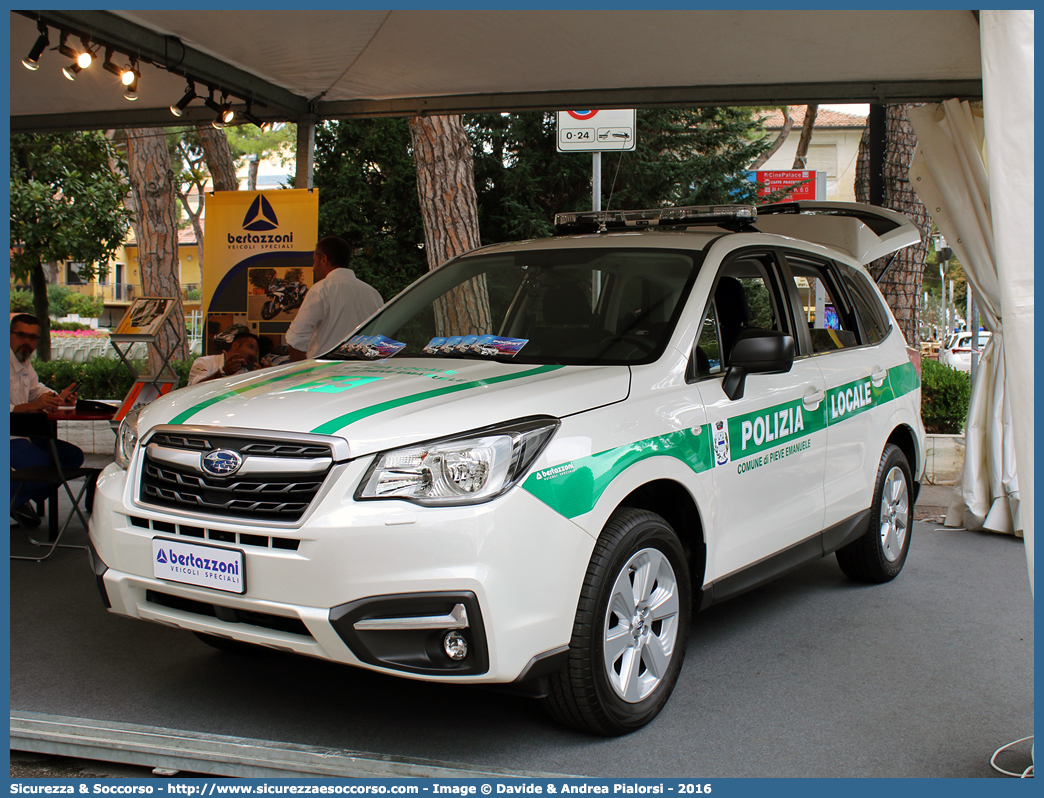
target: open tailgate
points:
(864, 232)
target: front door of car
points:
(770, 443)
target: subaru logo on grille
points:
(222, 462)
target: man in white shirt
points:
(335, 305)
(240, 357)
(28, 395)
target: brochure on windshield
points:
(372, 346)
(475, 344)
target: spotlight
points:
(31, 61)
(212, 104)
(190, 94)
(227, 114)
(130, 74)
(108, 66)
(65, 49)
(130, 80)
(248, 115)
(83, 58)
(224, 111)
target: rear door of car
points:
(857, 352)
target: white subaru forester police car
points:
(565, 448)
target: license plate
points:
(193, 564)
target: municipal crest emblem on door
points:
(721, 443)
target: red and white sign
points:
(596, 131)
(813, 184)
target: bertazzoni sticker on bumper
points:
(192, 564)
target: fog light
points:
(455, 646)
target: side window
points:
(743, 299)
(868, 308)
(831, 322)
(707, 354)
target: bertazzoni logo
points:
(259, 221)
(192, 564)
(260, 216)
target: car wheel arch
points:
(905, 438)
(673, 502)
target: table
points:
(72, 414)
(69, 413)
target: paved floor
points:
(810, 676)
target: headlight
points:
(467, 469)
(127, 437)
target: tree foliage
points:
(691, 156)
(250, 140)
(61, 301)
(365, 174)
(367, 185)
(261, 278)
(66, 201)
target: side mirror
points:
(757, 352)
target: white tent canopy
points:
(370, 63)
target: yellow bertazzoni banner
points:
(257, 258)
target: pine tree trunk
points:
(156, 229)
(901, 285)
(449, 210)
(801, 155)
(42, 311)
(218, 155)
(788, 123)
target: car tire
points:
(230, 646)
(879, 555)
(626, 653)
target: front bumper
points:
(513, 563)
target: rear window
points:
(872, 317)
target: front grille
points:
(217, 535)
(173, 479)
(204, 443)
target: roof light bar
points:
(602, 221)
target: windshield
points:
(566, 306)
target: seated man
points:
(240, 357)
(29, 396)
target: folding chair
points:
(38, 425)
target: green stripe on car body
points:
(182, 417)
(339, 423)
(904, 379)
(574, 487)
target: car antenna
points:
(609, 202)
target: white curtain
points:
(987, 218)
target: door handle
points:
(811, 400)
(878, 376)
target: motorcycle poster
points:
(276, 294)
